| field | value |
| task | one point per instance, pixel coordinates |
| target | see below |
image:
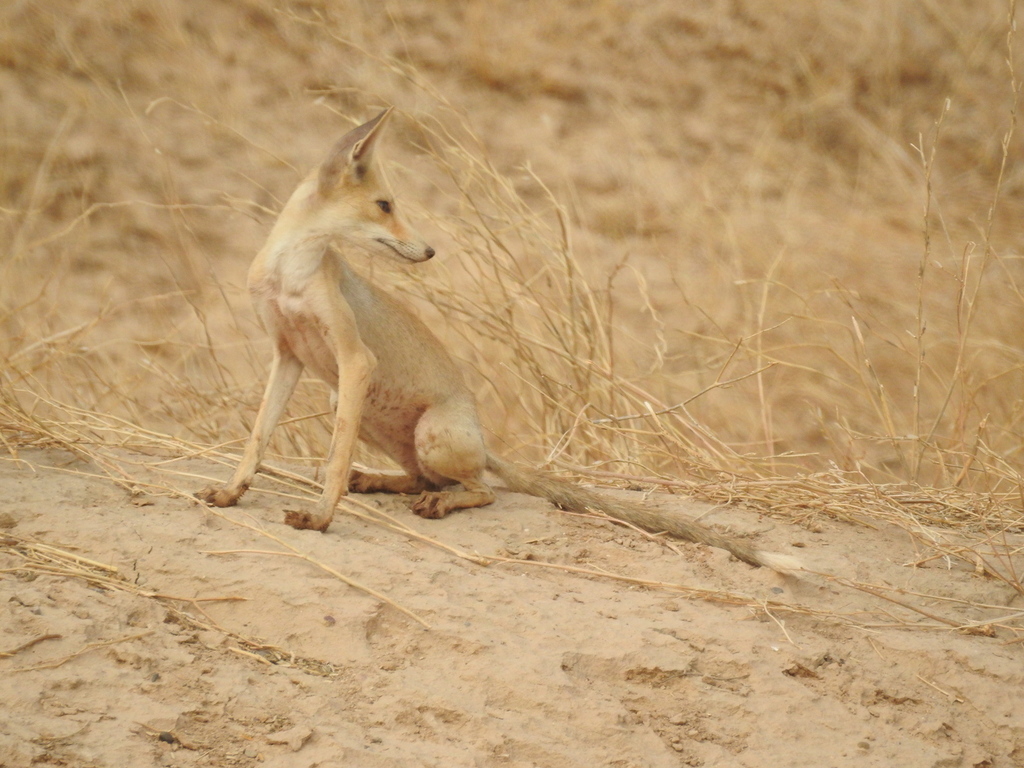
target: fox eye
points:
(384, 205)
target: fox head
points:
(349, 199)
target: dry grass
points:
(152, 465)
(35, 558)
(752, 255)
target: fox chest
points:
(299, 329)
(393, 403)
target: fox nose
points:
(429, 253)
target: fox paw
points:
(218, 497)
(304, 521)
(358, 482)
(431, 505)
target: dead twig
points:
(82, 651)
(29, 644)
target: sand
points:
(186, 657)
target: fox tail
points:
(578, 499)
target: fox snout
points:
(405, 250)
(425, 254)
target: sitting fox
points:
(394, 384)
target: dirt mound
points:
(211, 645)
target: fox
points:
(393, 384)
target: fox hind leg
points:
(450, 449)
(436, 504)
(373, 482)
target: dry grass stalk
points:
(293, 552)
(39, 558)
(81, 651)
(25, 646)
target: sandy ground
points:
(143, 149)
(522, 665)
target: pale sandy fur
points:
(394, 384)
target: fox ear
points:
(352, 154)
